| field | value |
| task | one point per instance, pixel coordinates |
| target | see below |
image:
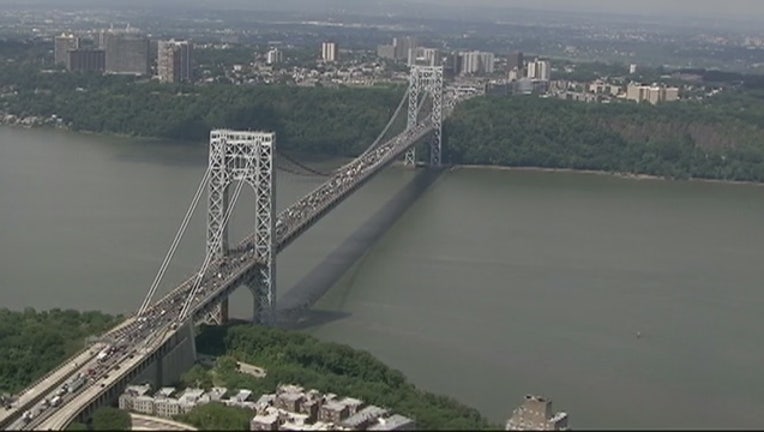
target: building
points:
(86, 60)
(363, 418)
(632, 69)
(127, 399)
(516, 61)
(174, 61)
(539, 70)
(601, 87)
(653, 94)
(536, 414)
(126, 52)
(62, 45)
(274, 56)
(476, 63)
(396, 422)
(403, 47)
(329, 51)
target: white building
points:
(274, 56)
(329, 51)
(539, 70)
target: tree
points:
(110, 418)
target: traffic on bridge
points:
(139, 336)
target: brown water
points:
(495, 284)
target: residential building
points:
(476, 63)
(516, 61)
(539, 70)
(62, 45)
(396, 422)
(601, 87)
(536, 414)
(403, 46)
(174, 61)
(333, 412)
(127, 399)
(653, 94)
(329, 51)
(86, 60)
(632, 69)
(364, 418)
(274, 56)
(126, 53)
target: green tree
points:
(216, 416)
(110, 418)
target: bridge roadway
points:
(137, 338)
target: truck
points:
(76, 384)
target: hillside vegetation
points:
(295, 358)
(718, 138)
(32, 343)
(723, 140)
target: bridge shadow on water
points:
(294, 308)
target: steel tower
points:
(244, 156)
(424, 81)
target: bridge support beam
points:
(244, 156)
(426, 80)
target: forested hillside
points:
(32, 343)
(719, 140)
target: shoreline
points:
(625, 176)
(621, 175)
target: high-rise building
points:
(62, 45)
(516, 61)
(126, 53)
(403, 47)
(273, 56)
(539, 70)
(174, 61)
(329, 51)
(86, 60)
(476, 63)
(651, 93)
(632, 69)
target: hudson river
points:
(492, 285)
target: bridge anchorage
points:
(426, 81)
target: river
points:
(493, 285)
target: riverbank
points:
(32, 122)
(629, 176)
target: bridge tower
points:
(424, 81)
(244, 156)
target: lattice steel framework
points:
(244, 156)
(424, 81)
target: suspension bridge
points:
(156, 342)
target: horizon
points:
(748, 10)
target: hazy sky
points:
(739, 8)
(750, 9)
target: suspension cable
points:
(216, 241)
(175, 242)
